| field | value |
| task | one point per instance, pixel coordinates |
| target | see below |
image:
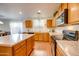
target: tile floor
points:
(41, 49)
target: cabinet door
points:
(73, 12)
(64, 6)
(21, 51)
(49, 23)
(28, 24)
(36, 36)
(46, 37)
(53, 22)
(41, 37)
(30, 45)
(59, 51)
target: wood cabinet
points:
(53, 23)
(20, 49)
(23, 48)
(42, 37)
(64, 6)
(49, 23)
(46, 37)
(59, 51)
(30, 45)
(73, 12)
(28, 23)
(37, 36)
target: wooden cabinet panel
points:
(17, 46)
(73, 12)
(30, 45)
(21, 51)
(64, 6)
(53, 23)
(42, 37)
(59, 51)
(5, 51)
(46, 37)
(37, 36)
(49, 23)
(59, 10)
(28, 23)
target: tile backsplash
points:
(71, 27)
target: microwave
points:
(70, 35)
(63, 18)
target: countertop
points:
(13, 39)
(70, 48)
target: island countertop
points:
(13, 39)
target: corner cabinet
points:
(73, 12)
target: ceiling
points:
(10, 11)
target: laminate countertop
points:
(13, 39)
(70, 48)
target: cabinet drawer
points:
(18, 45)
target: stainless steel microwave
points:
(63, 18)
(70, 35)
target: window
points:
(39, 23)
(15, 27)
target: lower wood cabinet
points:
(30, 45)
(23, 48)
(42, 37)
(21, 51)
(59, 51)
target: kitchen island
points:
(16, 44)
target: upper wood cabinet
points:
(73, 12)
(64, 6)
(53, 23)
(49, 23)
(28, 23)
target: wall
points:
(36, 27)
(5, 26)
(72, 27)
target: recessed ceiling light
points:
(20, 12)
(1, 22)
(38, 12)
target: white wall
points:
(72, 27)
(5, 26)
(37, 28)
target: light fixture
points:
(1, 22)
(74, 8)
(38, 12)
(20, 12)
